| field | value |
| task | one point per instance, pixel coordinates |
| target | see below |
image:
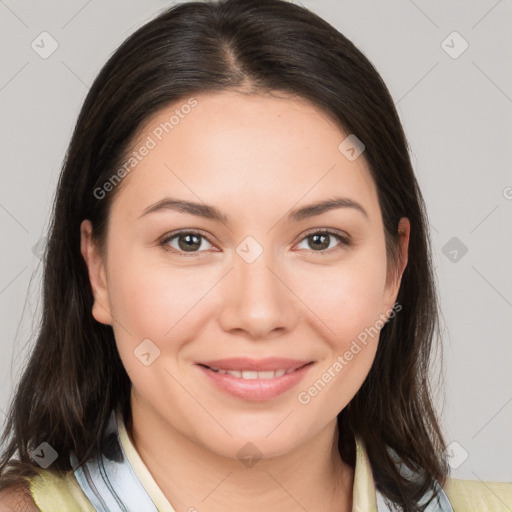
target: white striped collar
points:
(117, 480)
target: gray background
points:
(457, 115)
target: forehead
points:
(258, 149)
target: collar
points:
(117, 480)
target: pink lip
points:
(257, 365)
(256, 389)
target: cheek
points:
(165, 306)
(157, 302)
(152, 300)
(347, 298)
(346, 305)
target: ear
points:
(393, 283)
(97, 274)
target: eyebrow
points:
(212, 213)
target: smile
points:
(251, 375)
(255, 384)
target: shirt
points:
(73, 491)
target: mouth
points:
(255, 380)
(252, 374)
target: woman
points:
(239, 307)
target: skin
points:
(17, 499)
(254, 157)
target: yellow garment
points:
(54, 492)
(476, 496)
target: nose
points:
(258, 298)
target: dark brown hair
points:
(75, 376)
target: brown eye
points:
(319, 241)
(324, 241)
(187, 242)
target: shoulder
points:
(17, 499)
(478, 495)
(49, 491)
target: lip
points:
(257, 365)
(257, 390)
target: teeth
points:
(250, 375)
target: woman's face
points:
(252, 280)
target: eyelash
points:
(345, 242)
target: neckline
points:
(140, 469)
(363, 491)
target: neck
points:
(193, 478)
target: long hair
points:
(75, 376)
